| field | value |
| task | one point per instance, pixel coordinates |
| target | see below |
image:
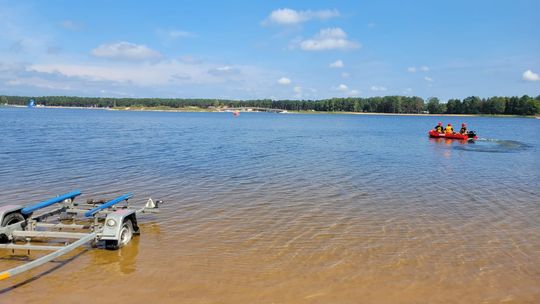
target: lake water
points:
(275, 208)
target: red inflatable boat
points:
(471, 135)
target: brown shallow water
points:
(266, 254)
(279, 224)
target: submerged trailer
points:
(106, 223)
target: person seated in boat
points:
(463, 129)
(449, 129)
(439, 128)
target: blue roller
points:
(117, 200)
(58, 199)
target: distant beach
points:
(220, 110)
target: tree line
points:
(514, 105)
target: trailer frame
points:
(105, 222)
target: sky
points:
(270, 49)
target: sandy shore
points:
(197, 109)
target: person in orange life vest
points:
(439, 128)
(449, 129)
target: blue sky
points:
(270, 49)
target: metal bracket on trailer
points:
(51, 256)
(68, 196)
(108, 204)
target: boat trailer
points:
(105, 223)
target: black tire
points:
(12, 218)
(9, 219)
(126, 233)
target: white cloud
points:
(179, 34)
(284, 81)
(167, 78)
(43, 74)
(378, 88)
(428, 79)
(224, 71)
(138, 75)
(71, 25)
(407, 91)
(345, 75)
(353, 93)
(329, 39)
(342, 88)
(413, 69)
(336, 64)
(125, 51)
(289, 16)
(146, 74)
(529, 75)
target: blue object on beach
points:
(108, 204)
(32, 208)
(31, 103)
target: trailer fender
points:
(114, 222)
(11, 219)
(8, 209)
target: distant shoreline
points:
(222, 110)
(197, 109)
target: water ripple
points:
(292, 208)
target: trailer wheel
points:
(9, 219)
(126, 233)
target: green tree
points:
(453, 106)
(512, 105)
(494, 105)
(532, 107)
(526, 105)
(471, 105)
(434, 106)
